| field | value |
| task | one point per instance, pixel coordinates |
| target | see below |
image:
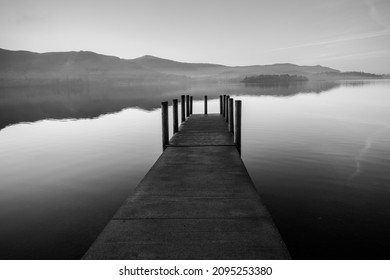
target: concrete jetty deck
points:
(197, 202)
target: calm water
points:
(319, 156)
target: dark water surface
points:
(319, 155)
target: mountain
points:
(85, 64)
(64, 64)
(177, 68)
(207, 70)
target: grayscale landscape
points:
(80, 115)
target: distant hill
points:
(177, 68)
(23, 64)
(90, 65)
(348, 75)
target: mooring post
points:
(231, 116)
(191, 103)
(237, 130)
(205, 104)
(175, 117)
(223, 105)
(164, 117)
(227, 108)
(183, 108)
(187, 105)
(220, 105)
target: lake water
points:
(319, 156)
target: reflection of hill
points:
(33, 103)
(346, 76)
(283, 79)
(78, 99)
(287, 89)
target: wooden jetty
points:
(197, 201)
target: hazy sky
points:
(344, 34)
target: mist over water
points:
(319, 155)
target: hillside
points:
(85, 64)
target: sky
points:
(349, 35)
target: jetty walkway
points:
(196, 202)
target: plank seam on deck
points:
(154, 223)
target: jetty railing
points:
(230, 111)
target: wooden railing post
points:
(220, 105)
(164, 117)
(187, 105)
(191, 104)
(227, 108)
(231, 116)
(175, 117)
(205, 104)
(223, 105)
(237, 130)
(183, 108)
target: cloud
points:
(354, 56)
(339, 40)
(374, 15)
(29, 17)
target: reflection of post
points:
(187, 105)
(175, 117)
(231, 116)
(183, 108)
(220, 105)
(223, 105)
(237, 130)
(164, 117)
(227, 108)
(191, 103)
(205, 105)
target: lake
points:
(318, 153)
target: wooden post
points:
(191, 103)
(205, 104)
(183, 108)
(227, 108)
(187, 105)
(237, 130)
(220, 105)
(164, 117)
(231, 116)
(223, 105)
(175, 117)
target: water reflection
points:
(320, 162)
(82, 99)
(61, 181)
(62, 101)
(292, 88)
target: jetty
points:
(197, 201)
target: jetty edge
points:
(197, 201)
